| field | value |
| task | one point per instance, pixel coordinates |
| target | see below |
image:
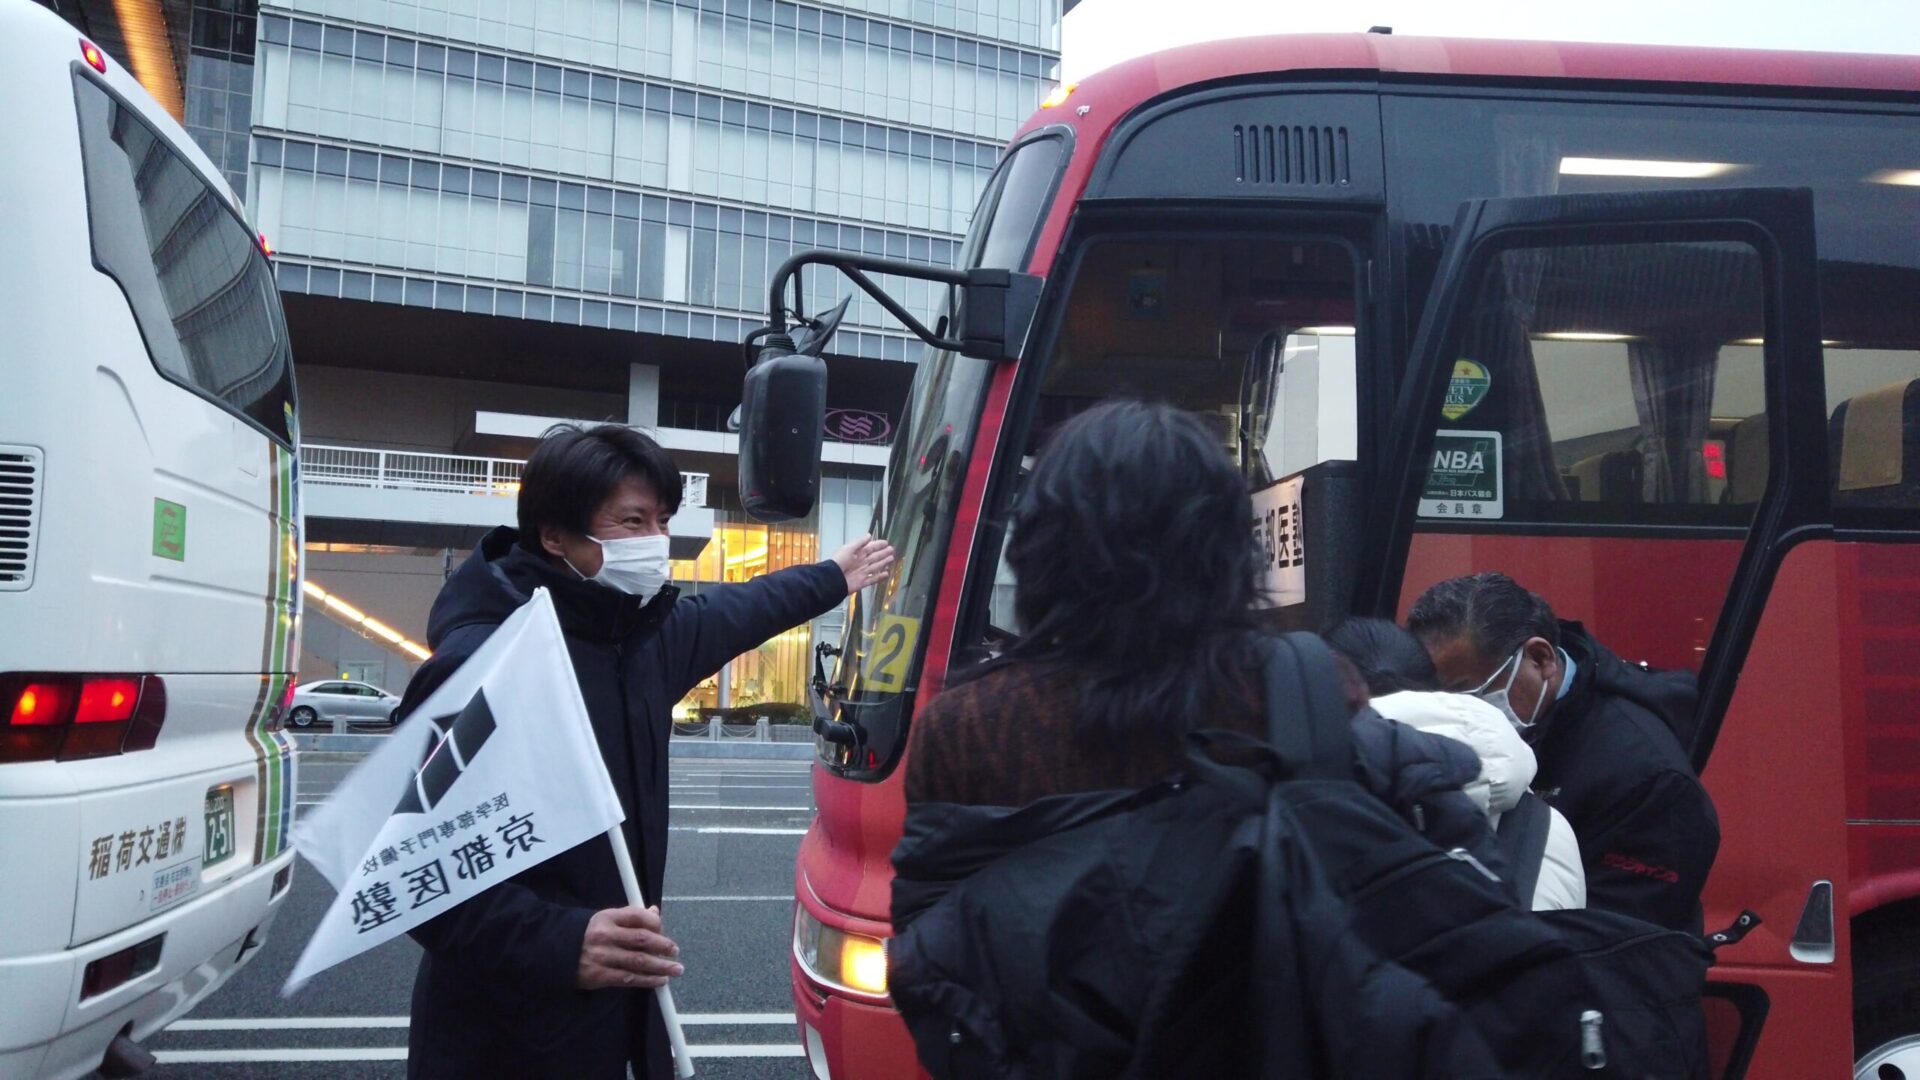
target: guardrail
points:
(760, 731)
(406, 470)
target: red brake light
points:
(42, 703)
(94, 57)
(66, 717)
(105, 701)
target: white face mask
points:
(635, 565)
(1501, 698)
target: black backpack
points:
(1564, 993)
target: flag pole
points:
(682, 1060)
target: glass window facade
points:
(405, 94)
(817, 57)
(219, 90)
(401, 213)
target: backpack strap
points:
(1307, 720)
(1522, 838)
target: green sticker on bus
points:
(169, 530)
(1468, 387)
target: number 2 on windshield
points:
(889, 651)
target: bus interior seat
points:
(1873, 444)
(1748, 454)
(1612, 477)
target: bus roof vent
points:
(19, 511)
(1292, 155)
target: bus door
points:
(1617, 400)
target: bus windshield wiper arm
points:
(844, 732)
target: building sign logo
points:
(858, 426)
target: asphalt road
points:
(736, 826)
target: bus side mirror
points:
(783, 409)
(996, 313)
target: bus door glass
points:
(1616, 400)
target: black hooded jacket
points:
(1612, 759)
(1182, 930)
(495, 991)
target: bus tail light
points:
(837, 958)
(68, 717)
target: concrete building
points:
(489, 216)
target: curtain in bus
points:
(1528, 166)
(1673, 395)
(1500, 337)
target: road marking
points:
(750, 1050)
(399, 1053)
(747, 786)
(671, 806)
(280, 1023)
(777, 809)
(706, 899)
(736, 830)
(230, 1057)
(283, 1023)
(743, 787)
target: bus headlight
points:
(837, 958)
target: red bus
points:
(1638, 326)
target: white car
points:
(319, 703)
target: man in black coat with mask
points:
(1610, 738)
(551, 973)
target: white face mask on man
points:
(1502, 698)
(635, 565)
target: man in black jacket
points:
(551, 973)
(1608, 736)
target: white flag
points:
(495, 772)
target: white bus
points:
(149, 565)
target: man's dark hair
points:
(1389, 658)
(1133, 555)
(1491, 610)
(575, 470)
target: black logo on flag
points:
(462, 735)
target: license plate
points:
(219, 825)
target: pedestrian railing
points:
(762, 729)
(406, 470)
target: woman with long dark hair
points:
(1042, 926)
(1132, 549)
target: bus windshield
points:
(880, 663)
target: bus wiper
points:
(843, 732)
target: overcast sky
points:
(1099, 33)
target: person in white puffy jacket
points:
(1400, 675)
